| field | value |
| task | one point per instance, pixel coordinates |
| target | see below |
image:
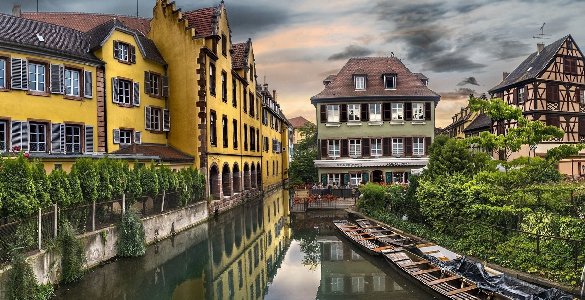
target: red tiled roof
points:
(298, 122)
(239, 55)
(87, 21)
(165, 153)
(342, 85)
(202, 20)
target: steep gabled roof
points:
(407, 84)
(482, 121)
(100, 33)
(421, 76)
(298, 122)
(58, 40)
(204, 20)
(87, 21)
(240, 54)
(532, 66)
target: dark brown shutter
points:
(116, 49)
(132, 53)
(552, 93)
(165, 86)
(428, 142)
(578, 95)
(344, 147)
(525, 97)
(408, 111)
(515, 96)
(387, 146)
(147, 82)
(553, 120)
(500, 128)
(582, 126)
(428, 111)
(386, 111)
(365, 112)
(323, 148)
(408, 146)
(365, 147)
(323, 113)
(343, 115)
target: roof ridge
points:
(84, 13)
(43, 22)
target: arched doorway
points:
(246, 177)
(237, 179)
(253, 176)
(226, 180)
(377, 176)
(214, 182)
(259, 177)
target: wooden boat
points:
(384, 234)
(362, 238)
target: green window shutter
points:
(366, 177)
(388, 177)
(324, 179)
(345, 178)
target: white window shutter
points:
(19, 74)
(56, 79)
(136, 94)
(116, 53)
(147, 117)
(116, 136)
(56, 138)
(115, 90)
(24, 131)
(88, 84)
(166, 120)
(146, 82)
(137, 137)
(165, 86)
(88, 139)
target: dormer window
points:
(390, 81)
(360, 82)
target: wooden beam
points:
(415, 263)
(459, 291)
(383, 248)
(425, 271)
(446, 279)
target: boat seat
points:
(416, 263)
(425, 271)
(462, 290)
(446, 279)
(383, 248)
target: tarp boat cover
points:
(501, 283)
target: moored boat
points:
(363, 239)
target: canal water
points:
(256, 251)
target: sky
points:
(462, 46)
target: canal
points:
(256, 251)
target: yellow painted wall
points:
(18, 105)
(119, 116)
(274, 173)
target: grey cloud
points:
(451, 62)
(507, 49)
(351, 51)
(468, 80)
(457, 94)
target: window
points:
(376, 112)
(252, 137)
(234, 93)
(73, 138)
(397, 111)
(124, 93)
(245, 137)
(333, 148)
(355, 179)
(337, 284)
(212, 79)
(252, 101)
(353, 112)
(155, 84)
(123, 51)
(3, 136)
(37, 137)
(582, 96)
(398, 177)
(2, 73)
(418, 146)
(355, 147)
(360, 82)
(333, 113)
(521, 94)
(389, 82)
(36, 77)
(154, 118)
(397, 146)
(570, 66)
(357, 284)
(245, 104)
(212, 128)
(376, 147)
(224, 86)
(72, 82)
(418, 111)
(334, 179)
(223, 45)
(126, 137)
(264, 117)
(224, 131)
(235, 124)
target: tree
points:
(309, 134)
(302, 168)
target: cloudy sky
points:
(462, 46)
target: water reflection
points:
(256, 251)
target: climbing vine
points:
(131, 240)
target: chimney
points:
(274, 95)
(539, 47)
(16, 10)
(504, 75)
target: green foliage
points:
(119, 177)
(39, 177)
(309, 138)
(302, 167)
(191, 185)
(134, 187)
(85, 170)
(496, 108)
(59, 191)
(449, 156)
(556, 154)
(104, 172)
(131, 241)
(72, 254)
(19, 191)
(149, 181)
(373, 196)
(22, 284)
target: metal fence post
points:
(123, 204)
(55, 220)
(40, 233)
(162, 205)
(93, 217)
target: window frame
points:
(37, 75)
(397, 109)
(123, 48)
(37, 134)
(333, 113)
(375, 115)
(120, 93)
(331, 178)
(386, 80)
(333, 148)
(353, 114)
(353, 176)
(398, 177)
(130, 137)
(397, 146)
(418, 146)
(235, 134)
(155, 84)
(3, 73)
(421, 108)
(212, 79)
(224, 91)
(72, 143)
(359, 82)
(355, 147)
(4, 127)
(225, 131)
(213, 128)
(71, 81)
(156, 122)
(376, 147)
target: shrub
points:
(373, 196)
(132, 240)
(149, 181)
(60, 190)
(18, 197)
(72, 254)
(22, 284)
(104, 187)
(84, 169)
(134, 188)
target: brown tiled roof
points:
(22, 33)
(87, 21)
(165, 153)
(203, 20)
(482, 121)
(420, 76)
(298, 122)
(240, 55)
(408, 84)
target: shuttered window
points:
(57, 138)
(36, 77)
(355, 147)
(166, 120)
(252, 139)
(418, 111)
(332, 113)
(353, 112)
(235, 93)
(3, 136)
(73, 138)
(375, 112)
(235, 135)
(224, 131)
(397, 146)
(152, 84)
(124, 52)
(224, 87)
(212, 80)
(72, 82)
(88, 84)
(333, 148)
(19, 135)
(213, 128)
(88, 139)
(2, 73)
(245, 137)
(376, 147)
(153, 118)
(418, 146)
(18, 74)
(38, 137)
(123, 137)
(397, 111)
(57, 79)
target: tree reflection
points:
(311, 249)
